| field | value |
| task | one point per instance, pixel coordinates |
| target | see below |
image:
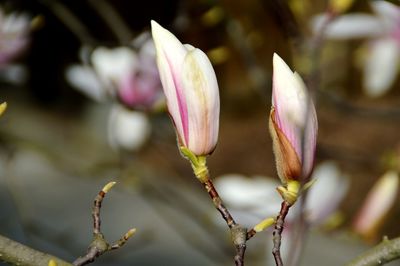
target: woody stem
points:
(238, 232)
(277, 233)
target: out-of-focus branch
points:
(113, 20)
(286, 19)
(99, 244)
(70, 21)
(16, 253)
(348, 107)
(383, 253)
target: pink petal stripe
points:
(181, 102)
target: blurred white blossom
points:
(14, 39)
(326, 193)
(252, 199)
(128, 130)
(383, 31)
(257, 196)
(128, 77)
(85, 79)
(14, 35)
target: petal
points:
(310, 139)
(325, 195)
(288, 163)
(355, 25)
(288, 98)
(240, 191)
(170, 56)
(249, 198)
(113, 65)
(381, 67)
(388, 13)
(85, 80)
(16, 23)
(379, 201)
(202, 96)
(294, 111)
(127, 129)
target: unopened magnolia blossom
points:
(383, 48)
(191, 89)
(293, 124)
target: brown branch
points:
(277, 234)
(383, 253)
(99, 245)
(251, 233)
(238, 233)
(209, 186)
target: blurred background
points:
(85, 107)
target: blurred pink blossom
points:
(378, 203)
(126, 74)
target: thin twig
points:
(238, 233)
(70, 21)
(383, 253)
(209, 186)
(277, 234)
(99, 245)
(285, 19)
(114, 21)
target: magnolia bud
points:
(293, 124)
(191, 89)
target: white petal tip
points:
(156, 28)
(276, 58)
(279, 63)
(154, 24)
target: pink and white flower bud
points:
(377, 205)
(293, 124)
(191, 89)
